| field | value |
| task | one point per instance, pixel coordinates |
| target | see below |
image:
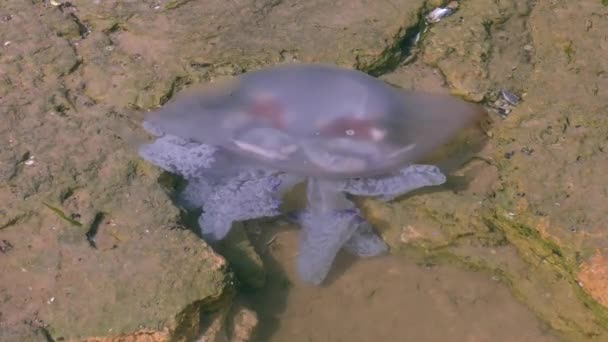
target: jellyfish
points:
(243, 144)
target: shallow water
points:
(385, 299)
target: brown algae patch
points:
(593, 277)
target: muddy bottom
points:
(384, 299)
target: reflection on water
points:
(384, 299)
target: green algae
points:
(539, 251)
(173, 4)
(62, 215)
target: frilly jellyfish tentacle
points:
(322, 237)
(241, 198)
(214, 225)
(327, 224)
(387, 188)
(195, 193)
(153, 129)
(365, 242)
(226, 190)
(179, 156)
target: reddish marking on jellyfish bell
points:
(352, 127)
(270, 111)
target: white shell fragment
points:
(511, 98)
(439, 13)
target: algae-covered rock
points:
(83, 275)
(552, 186)
(536, 187)
(88, 240)
(140, 55)
(481, 47)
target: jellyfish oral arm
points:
(388, 188)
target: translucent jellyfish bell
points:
(317, 120)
